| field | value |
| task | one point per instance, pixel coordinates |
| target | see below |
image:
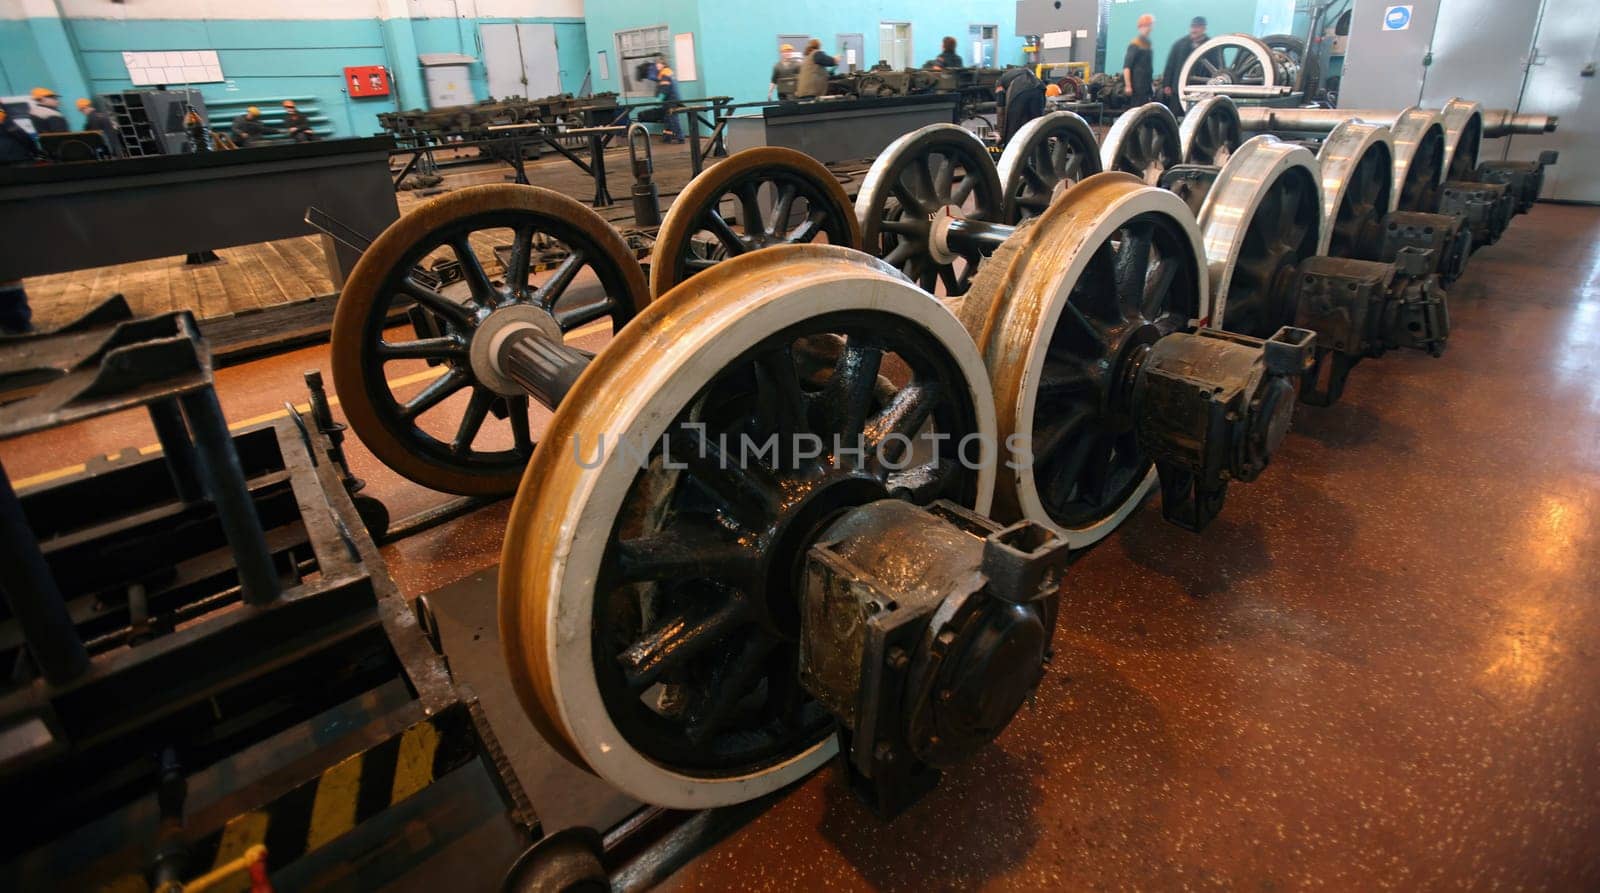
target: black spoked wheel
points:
(1138, 287)
(1143, 142)
(1045, 156)
(695, 619)
(1357, 230)
(1420, 189)
(938, 170)
(755, 199)
(1282, 231)
(1211, 132)
(427, 403)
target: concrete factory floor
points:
(1379, 667)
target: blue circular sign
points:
(1397, 17)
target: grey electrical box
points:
(448, 78)
(1049, 16)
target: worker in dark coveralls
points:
(1171, 92)
(298, 125)
(949, 58)
(44, 109)
(1138, 64)
(16, 145)
(667, 92)
(248, 128)
(1019, 94)
(94, 119)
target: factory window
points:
(982, 41)
(635, 47)
(894, 44)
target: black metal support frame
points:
(172, 612)
(511, 146)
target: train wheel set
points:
(817, 492)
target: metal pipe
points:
(167, 419)
(225, 483)
(977, 234)
(1496, 122)
(30, 589)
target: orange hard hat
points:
(1146, 19)
(84, 103)
(665, 72)
(1053, 90)
(288, 103)
(252, 111)
(43, 92)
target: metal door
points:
(520, 60)
(1561, 81)
(852, 52)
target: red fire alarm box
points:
(366, 80)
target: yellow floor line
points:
(333, 400)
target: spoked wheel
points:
(755, 199)
(648, 588)
(1309, 70)
(938, 171)
(428, 402)
(1262, 217)
(1463, 138)
(1418, 160)
(1210, 132)
(1063, 313)
(1232, 59)
(1048, 154)
(1143, 142)
(1357, 162)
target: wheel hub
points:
(813, 506)
(939, 234)
(484, 349)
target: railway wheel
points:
(755, 199)
(1047, 155)
(648, 589)
(1143, 142)
(464, 268)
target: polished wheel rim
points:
(1060, 312)
(1143, 142)
(1210, 132)
(647, 611)
(755, 199)
(1463, 138)
(1418, 160)
(1047, 155)
(940, 169)
(1356, 162)
(509, 254)
(1229, 59)
(1262, 217)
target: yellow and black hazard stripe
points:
(346, 794)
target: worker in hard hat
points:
(297, 124)
(667, 92)
(785, 73)
(94, 119)
(249, 129)
(44, 109)
(1138, 63)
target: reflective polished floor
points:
(1379, 668)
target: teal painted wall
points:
(741, 57)
(21, 65)
(1172, 22)
(265, 60)
(603, 18)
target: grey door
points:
(520, 60)
(851, 50)
(1561, 81)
